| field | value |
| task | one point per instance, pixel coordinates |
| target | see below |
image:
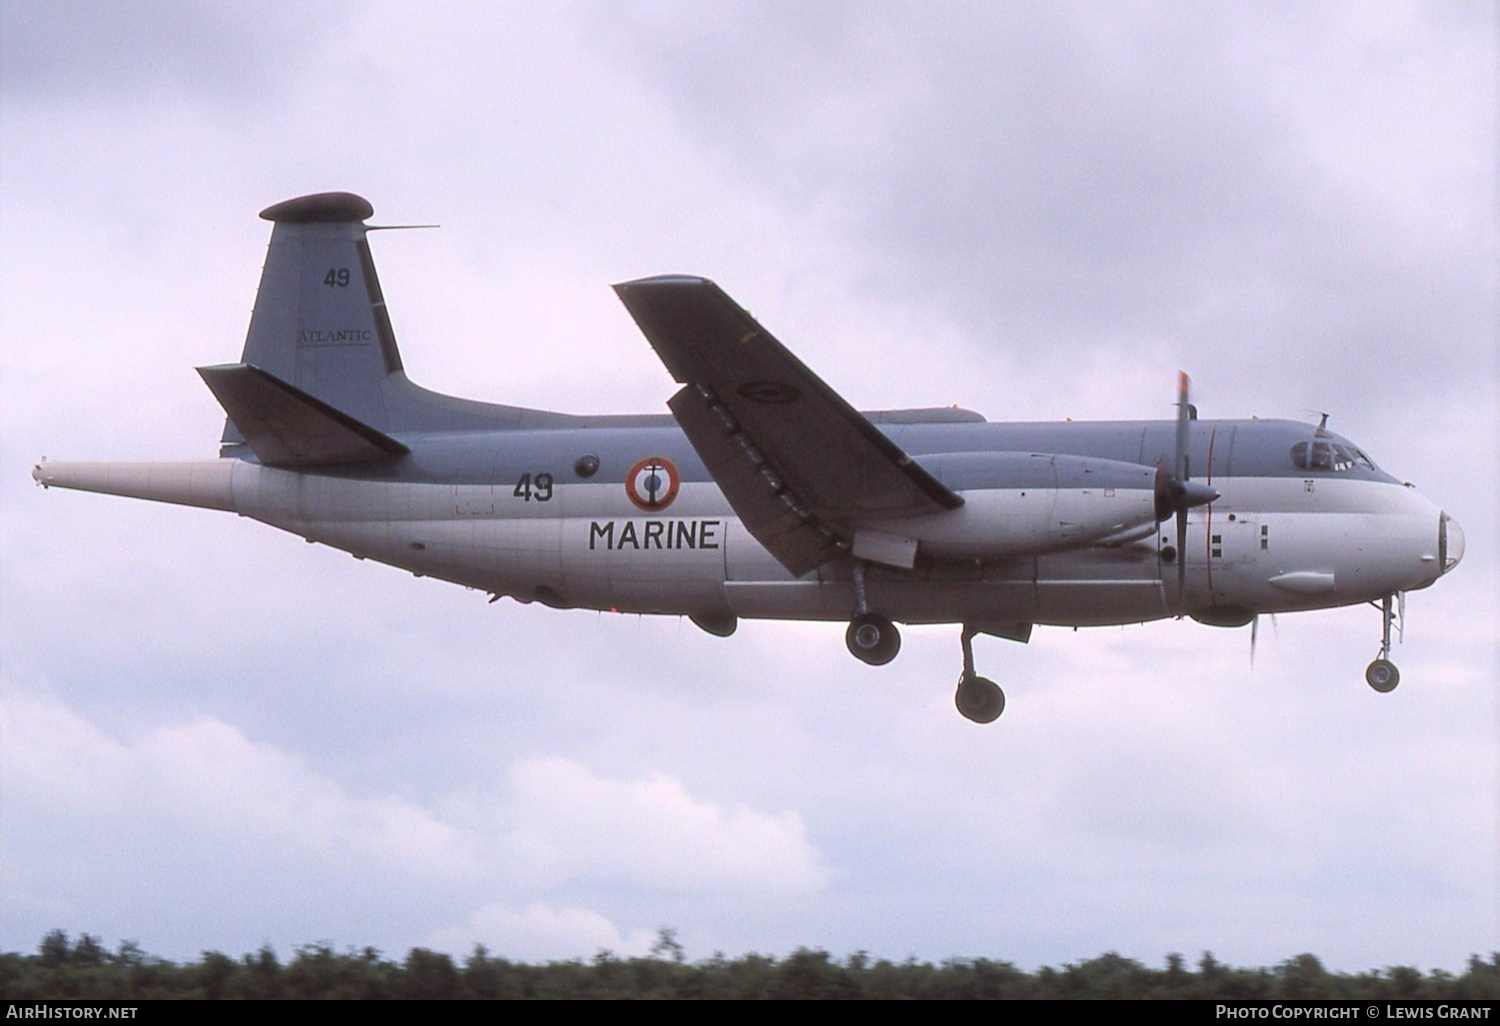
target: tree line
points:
(63, 968)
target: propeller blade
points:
(1254, 633)
(1181, 560)
(1175, 493)
(1183, 412)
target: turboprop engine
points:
(1018, 503)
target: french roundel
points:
(652, 483)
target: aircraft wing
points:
(800, 466)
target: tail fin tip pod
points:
(320, 208)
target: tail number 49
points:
(534, 486)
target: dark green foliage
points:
(428, 975)
(215, 970)
(82, 969)
(54, 950)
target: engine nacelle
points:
(1018, 504)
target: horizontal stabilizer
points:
(286, 427)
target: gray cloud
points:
(1058, 177)
(123, 53)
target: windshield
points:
(1334, 456)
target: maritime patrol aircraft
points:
(764, 494)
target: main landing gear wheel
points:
(873, 639)
(979, 699)
(1383, 676)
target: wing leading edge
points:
(800, 466)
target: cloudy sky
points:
(213, 735)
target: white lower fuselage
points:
(1267, 545)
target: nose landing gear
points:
(1382, 674)
(978, 698)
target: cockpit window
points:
(1332, 456)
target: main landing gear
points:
(874, 639)
(977, 698)
(871, 638)
(1382, 674)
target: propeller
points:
(1176, 493)
(1255, 633)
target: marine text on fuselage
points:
(655, 534)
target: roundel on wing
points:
(652, 483)
(772, 392)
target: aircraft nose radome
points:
(1451, 541)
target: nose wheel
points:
(1382, 674)
(977, 698)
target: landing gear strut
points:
(1382, 674)
(977, 698)
(871, 638)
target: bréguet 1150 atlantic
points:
(764, 494)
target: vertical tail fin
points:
(320, 380)
(320, 322)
